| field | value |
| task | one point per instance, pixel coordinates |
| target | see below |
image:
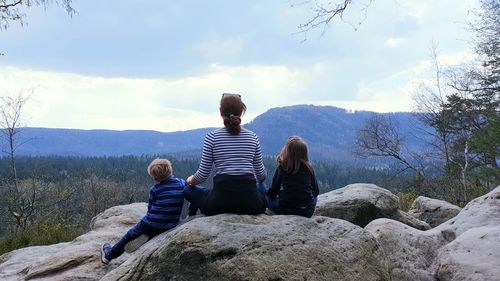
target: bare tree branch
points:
(5, 5)
(11, 113)
(380, 138)
(10, 10)
(325, 12)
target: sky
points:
(163, 65)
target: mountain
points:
(329, 131)
(71, 142)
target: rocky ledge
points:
(332, 245)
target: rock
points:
(463, 248)
(474, 256)
(409, 251)
(240, 247)
(362, 203)
(236, 247)
(482, 211)
(433, 211)
(409, 220)
(79, 259)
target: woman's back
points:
(236, 154)
(231, 154)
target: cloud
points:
(169, 104)
(395, 92)
(393, 42)
(77, 101)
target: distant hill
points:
(329, 131)
(71, 142)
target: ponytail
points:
(231, 109)
(232, 124)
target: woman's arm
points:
(258, 164)
(206, 162)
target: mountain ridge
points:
(329, 131)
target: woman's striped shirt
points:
(231, 155)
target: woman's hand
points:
(191, 181)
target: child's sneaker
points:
(135, 244)
(269, 212)
(105, 248)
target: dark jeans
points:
(198, 197)
(134, 232)
(274, 205)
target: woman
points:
(236, 155)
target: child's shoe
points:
(192, 210)
(105, 249)
(135, 244)
(269, 212)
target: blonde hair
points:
(293, 155)
(160, 169)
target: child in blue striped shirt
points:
(164, 210)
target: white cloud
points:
(393, 42)
(77, 101)
(396, 91)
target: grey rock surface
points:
(409, 251)
(238, 247)
(76, 260)
(409, 220)
(474, 256)
(482, 211)
(466, 247)
(433, 211)
(362, 203)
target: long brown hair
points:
(231, 110)
(293, 155)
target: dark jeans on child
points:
(133, 233)
(231, 194)
(306, 211)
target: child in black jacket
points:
(294, 189)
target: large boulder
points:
(466, 247)
(409, 251)
(362, 203)
(474, 256)
(76, 260)
(482, 211)
(433, 211)
(239, 247)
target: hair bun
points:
(231, 110)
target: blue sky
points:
(163, 65)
